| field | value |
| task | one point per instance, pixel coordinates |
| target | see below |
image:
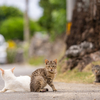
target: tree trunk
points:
(26, 23)
(85, 29)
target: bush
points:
(59, 21)
(54, 17)
(7, 12)
(12, 28)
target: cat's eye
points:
(48, 66)
(53, 66)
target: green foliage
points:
(12, 28)
(34, 27)
(7, 12)
(59, 22)
(46, 19)
(36, 61)
(58, 3)
(12, 23)
(54, 17)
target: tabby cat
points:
(96, 71)
(43, 76)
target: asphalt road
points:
(66, 91)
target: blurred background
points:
(35, 30)
(31, 30)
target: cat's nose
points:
(95, 71)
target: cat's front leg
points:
(3, 90)
(50, 83)
(10, 91)
(97, 79)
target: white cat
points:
(13, 83)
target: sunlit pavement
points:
(66, 91)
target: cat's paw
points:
(47, 89)
(54, 90)
(96, 82)
(44, 90)
(1, 91)
(10, 91)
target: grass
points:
(75, 76)
(36, 61)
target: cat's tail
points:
(36, 84)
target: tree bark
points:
(26, 23)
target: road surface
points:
(66, 91)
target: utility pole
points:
(26, 23)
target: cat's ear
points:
(12, 69)
(55, 61)
(46, 61)
(2, 71)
